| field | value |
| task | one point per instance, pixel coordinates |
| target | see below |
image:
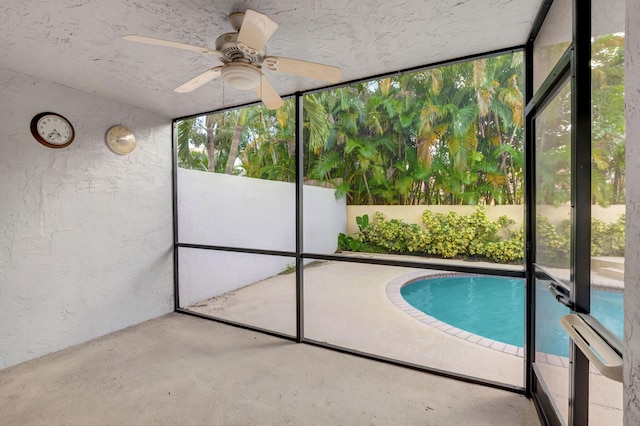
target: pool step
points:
(611, 267)
(612, 273)
(607, 262)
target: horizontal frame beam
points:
(519, 48)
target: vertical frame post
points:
(529, 209)
(530, 201)
(299, 218)
(580, 201)
(174, 194)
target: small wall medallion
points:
(121, 140)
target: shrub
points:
(449, 234)
(348, 243)
(607, 239)
(452, 235)
(615, 240)
(552, 248)
(392, 235)
(460, 235)
(445, 235)
(506, 251)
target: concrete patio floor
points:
(347, 304)
(181, 370)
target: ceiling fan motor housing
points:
(233, 52)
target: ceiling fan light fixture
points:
(241, 76)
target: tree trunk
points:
(503, 156)
(233, 150)
(617, 185)
(235, 141)
(513, 189)
(366, 184)
(211, 128)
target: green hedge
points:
(553, 246)
(607, 239)
(476, 237)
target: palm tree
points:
(189, 139)
(553, 151)
(385, 136)
(268, 148)
(608, 129)
(446, 135)
(235, 141)
(211, 127)
(497, 81)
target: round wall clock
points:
(52, 130)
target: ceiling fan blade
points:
(199, 80)
(268, 94)
(167, 43)
(256, 29)
(322, 72)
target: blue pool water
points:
(493, 307)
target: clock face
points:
(52, 130)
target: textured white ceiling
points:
(77, 43)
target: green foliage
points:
(446, 235)
(348, 243)
(362, 221)
(552, 248)
(188, 138)
(506, 251)
(475, 236)
(608, 121)
(291, 268)
(607, 239)
(262, 140)
(391, 235)
(451, 135)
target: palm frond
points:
(317, 123)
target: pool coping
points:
(394, 286)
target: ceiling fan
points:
(243, 56)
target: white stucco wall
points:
(208, 273)
(85, 234)
(632, 253)
(236, 211)
(224, 210)
(324, 218)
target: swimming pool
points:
(493, 307)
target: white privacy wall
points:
(222, 210)
(632, 253)
(85, 234)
